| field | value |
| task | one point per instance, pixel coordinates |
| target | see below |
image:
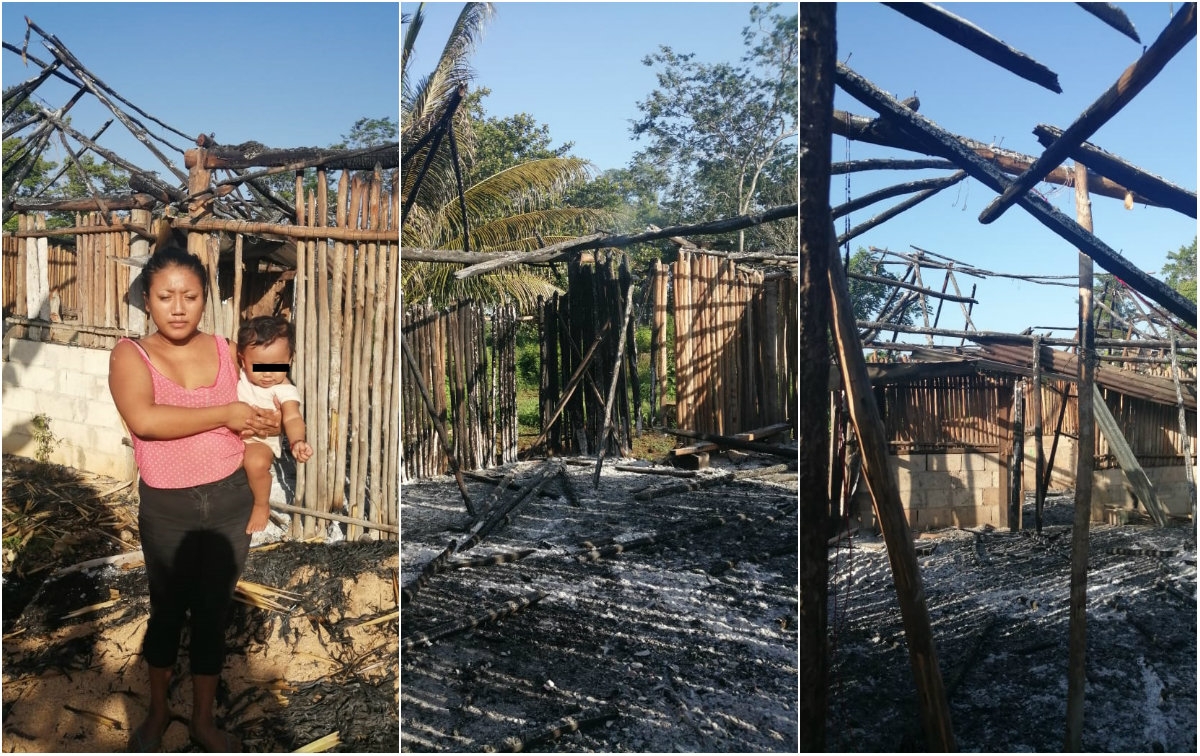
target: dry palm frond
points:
(320, 745)
(113, 723)
(266, 597)
(92, 608)
(385, 618)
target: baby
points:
(264, 347)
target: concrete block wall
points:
(1064, 462)
(68, 384)
(1110, 489)
(945, 490)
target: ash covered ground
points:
(999, 605)
(685, 644)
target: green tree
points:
(1179, 272)
(724, 132)
(521, 206)
(868, 298)
(1115, 311)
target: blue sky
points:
(577, 67)
(284, 74)
(971, 97)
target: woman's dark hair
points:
(264, 330)
(167, 257)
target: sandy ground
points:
(685, 644)
(77, 683)
(999, 605)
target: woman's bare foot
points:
(147, 737)
(213, 739)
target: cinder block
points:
(24, 351)
(991, 497)
(910, 462)
(62, 357)
(945, 462)
(975, 461)
(19, 399)
(102, 415)
(42, 379)
(931, 519)
(95, 361)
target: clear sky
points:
(577, 67)
(972, 97)
(284, 74)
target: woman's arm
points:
(132, 391)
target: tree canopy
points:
(719, 134)
(1179, 272)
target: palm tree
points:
(519, 208)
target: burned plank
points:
(1178, 33)
(970, 36)
(506, 609)
(881, 132)
(1148, 186)
(1114, 17)
(895, 210)
(941, 142)
(940, 182)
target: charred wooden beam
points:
(924, 129)
(130, 202)
(449, 628)
(880, 132)
(1154, 188)
(1019, 338)
(909, 187)
(601, 241)
(906, 576)
(258, 155)
(898, 208)
(1134, 473)
(786, 452)
(1178, 33)
(1114, 17)
(290, 231)
(887, 164)
(894, 282)
(962, 32)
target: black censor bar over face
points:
(269, 367)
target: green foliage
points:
(723, 134)
(869, 297)
(43, 438)
(1179, 272)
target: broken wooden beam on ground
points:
(433, 567)
(450, 628)
(1180, 31)
(489, 522)
(978, 41)
(736, 443)
(671, 471)
(564, 726)
(942, 142)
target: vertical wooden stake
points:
(1039, 490)
(1077, 653)
(1016, 492)
(864, 413)
(602, 441)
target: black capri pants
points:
(195, 544)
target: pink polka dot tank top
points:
(192, 460)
